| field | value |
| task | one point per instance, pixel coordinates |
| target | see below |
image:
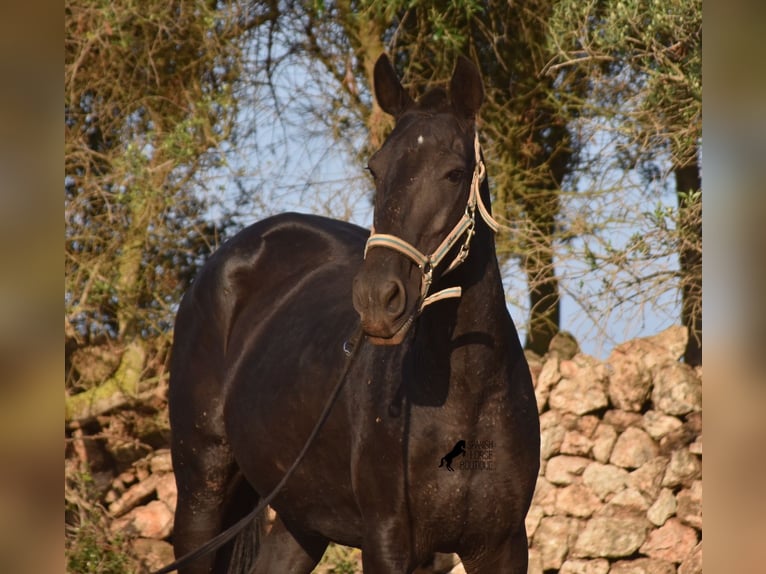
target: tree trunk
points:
(544, 301)
(688, 183)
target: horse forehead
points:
(428, 135)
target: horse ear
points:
(466, 89)
(392, 97)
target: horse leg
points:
(510, 557)
(283, 550)
(203, 475)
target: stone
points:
(673, 541)
(576, 500)
(161, 461)
(582, 388)
(133, 496)
(658, 424)
(575, 566)
(563, 469)
(545, 496)
(689, 509)
(154, 520)
(630, 380)
(563, 345)
(535, 563)
(663, 508)
(587, 425)
(547, 379)
(604, 479)
(633, 448)
(692, 564)
(623, 420)
(629, 500)
(648, 479)
(683, 469)
(553, 539)
(677, 390)
(532, 520)
(167, 492)
(575, 443)
(604, 438)
(551, 439)
(643, 566)
(611, 537)
(154, 554)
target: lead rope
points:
(349, 349)
(466, 226)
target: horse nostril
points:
(393, 297)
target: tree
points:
(149, 98)
(643, 61)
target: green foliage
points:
(90, 547)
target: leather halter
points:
(464, 228)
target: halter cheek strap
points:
(465, 228)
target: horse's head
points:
(427, 176)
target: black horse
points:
(458, 450)
(259, 344)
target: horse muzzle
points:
(386, 309)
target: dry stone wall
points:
(620, 484)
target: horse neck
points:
(480, 320)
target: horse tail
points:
(246, 546)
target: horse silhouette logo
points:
(447, 459)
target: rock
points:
(154, 554)
(677, 390)
(575, 566)
(633, 448)
(648, 479)
(604, 479)
(692, 564)
(643, 566)
(167, 492)
(603, 442)
(630, 381)
(582, 388)
(532, 520)
(547, 379)
(629, 501)
(663, 508)
(576, 500)
(696, 446)
(564, 469)
(153, 520)
(683, 469)
(545, 496)
(551, 434)
(563, 345)
(135, 495)
(689, 509)
(575, 443)
(535, 565)
(672, 542)
(553, 539)
(658, 424)
(623, 420)
(611, 537)
(161, 461)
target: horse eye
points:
(455, 175)
(372, 173)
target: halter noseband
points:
(464, 227)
